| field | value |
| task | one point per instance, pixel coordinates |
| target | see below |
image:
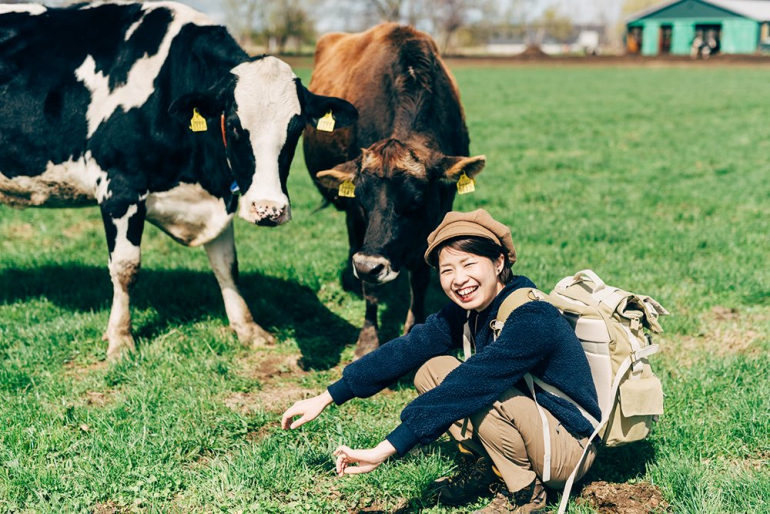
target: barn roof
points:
(758, 10)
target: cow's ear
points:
(207, 105)
(452, 168)
(316, 107)
(345, 172)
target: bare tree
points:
(447, 17)
(242, 16)
(554, 24)
(287, 20)
(388, 10)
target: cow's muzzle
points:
(268, 213)
(374, 269)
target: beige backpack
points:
(613, 326)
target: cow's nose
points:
(269, 213)
(371, 268)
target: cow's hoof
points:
(368, 341)
(254, 335)
(119, 346)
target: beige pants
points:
(510, 432)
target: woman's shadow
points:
(285, 308)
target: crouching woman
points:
(483, 402)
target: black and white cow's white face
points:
(265, 109)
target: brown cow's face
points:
(399, 196)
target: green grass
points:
(657, 179)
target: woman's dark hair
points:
(477, 246)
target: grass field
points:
(658, 179)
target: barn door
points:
(664, 41)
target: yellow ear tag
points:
(198, 122)
(326, 124)
(465, 184)
(348, 189)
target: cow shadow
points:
(285, 308)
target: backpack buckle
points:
(496, 326)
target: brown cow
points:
(404, 155)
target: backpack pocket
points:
(641, 397)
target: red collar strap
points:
(234, 186)
(222, 126)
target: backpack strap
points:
(624, 367)
(469, 345)
(546, 430)
(514, 300)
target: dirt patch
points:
(77, 369)
(401, 507)
(99, 398)
(276, 374)
(81, 227)
(108, 508)
(533, 52)
(258, 435)
(266, 367)
(754, 463)
(720, 313)
(608, 498)
(725, 331)
(274, 399)
(21, 231)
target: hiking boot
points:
(530, 500)
(473, 478)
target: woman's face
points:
(469, 280)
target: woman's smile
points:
(466, 293)
(469, 280)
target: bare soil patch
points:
(265, 367)
(99, 398)
(377, 508)
(725, 331)
(276, 374)
(108, 508)
(608, 498)
(22, 231)
(81, 227)
(77, 369)
(755, 463)
(274, 399)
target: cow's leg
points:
(368, 338)
(224, 262)
(418, 280)
(123, 224)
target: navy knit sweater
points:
(535, 339)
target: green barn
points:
(678, 27)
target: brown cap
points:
(478, 223)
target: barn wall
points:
(681, 39)
(650, 35)
(740, 36)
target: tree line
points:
(287, 25)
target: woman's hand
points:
(308, 410)
(365, 460)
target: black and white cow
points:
(96, 106)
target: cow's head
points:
(264, 108)
(401, 192)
